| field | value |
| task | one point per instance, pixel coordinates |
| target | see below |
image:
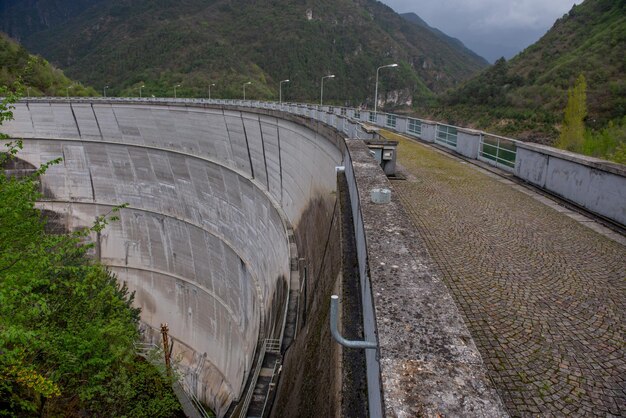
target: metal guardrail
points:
(498, 151)
(493, 149)
(446, 135)
(272, 346)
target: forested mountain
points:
(530, 91)
(126, 43)
(457, 43)
(39, 78)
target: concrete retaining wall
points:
(594, 184)
(212, 194)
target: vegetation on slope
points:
(67, 329)
(526, 96)
(457, 43)
(608, 143)
(38, 76)
(588, 40)
(126, 44)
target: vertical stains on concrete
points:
(310, 378)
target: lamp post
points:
(376, 94)
(212, 84)
(244, 89)
(322, 91)
(67, 91)
(105, 90)
(140, 87)
(280, 91)
(177, 85)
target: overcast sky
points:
(491, 28)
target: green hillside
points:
(38, 76)
(526, 96)
(125, 44)
(416, 20)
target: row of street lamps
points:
(280, 88)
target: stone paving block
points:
(543, 295)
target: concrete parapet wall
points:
(213, 193)
(429, 131)
(597, 185)
(468, 143)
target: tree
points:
(573, 130)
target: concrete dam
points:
(243, 218)
(207, 240)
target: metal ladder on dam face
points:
(263, 381)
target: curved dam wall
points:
(213, 198)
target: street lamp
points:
(212, 84)
(177, 85)
(244, 89)
(376, 94)
(140, 87)
(280, 91)
(322, 92)
(105, 90)
(67, 91)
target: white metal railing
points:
(272, 346)
(498, 151)
(493, 149)
(414, 126)
(446, 135)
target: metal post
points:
(244, 89)
(210, 90)
(177, 85)
(140, 87)
(334, 318)
(322, 92)
(166, 350)
(376, 93)
(280, 91)
(105, 90)
(28, 91)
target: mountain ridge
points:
(526, 95)
(126, 43)
(415, 19)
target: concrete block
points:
(467, 143)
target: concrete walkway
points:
(543, 295)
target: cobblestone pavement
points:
(543, 296)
